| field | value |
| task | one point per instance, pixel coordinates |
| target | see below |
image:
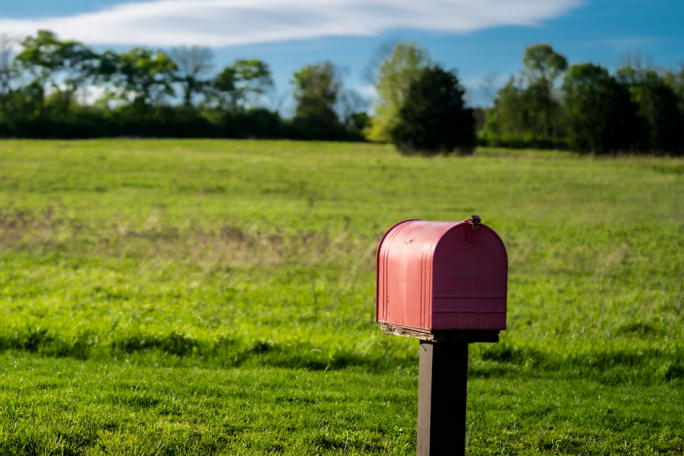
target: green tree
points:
(66, 66)
(317, 89)
(543, 63)
(675, 79)
(527, 109)
(659, 111)
(225, 90)
(543, 66)
(509, 116)
(394, 77)
(352, 109)
(145, 74)
(356, 122)
(242, 84)
(253, 80)
(600, 116)
(24, 103)
(433, 118)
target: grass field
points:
(217, 297)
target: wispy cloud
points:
(231, 22)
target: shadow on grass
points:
(608, 366)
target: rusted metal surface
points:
(474, 221)
(443, 336)
(442, 276)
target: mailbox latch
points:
(475, 224)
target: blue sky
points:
(478, 38)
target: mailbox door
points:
(470, 280)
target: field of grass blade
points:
(217, 297)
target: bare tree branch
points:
(382, 51)
(194, 63)
(8, 71)
(489, 87)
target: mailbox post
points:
(443, 283)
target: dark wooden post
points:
(442, 392)
(443, 386)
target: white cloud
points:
(369, 91)
(231, 22)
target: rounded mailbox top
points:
(442, 276)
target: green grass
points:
(217, 297)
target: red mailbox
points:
(445, 284)
(442, 276)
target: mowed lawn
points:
(217, 297)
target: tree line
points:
(420, 106)
(52, 88)
(584, 107)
